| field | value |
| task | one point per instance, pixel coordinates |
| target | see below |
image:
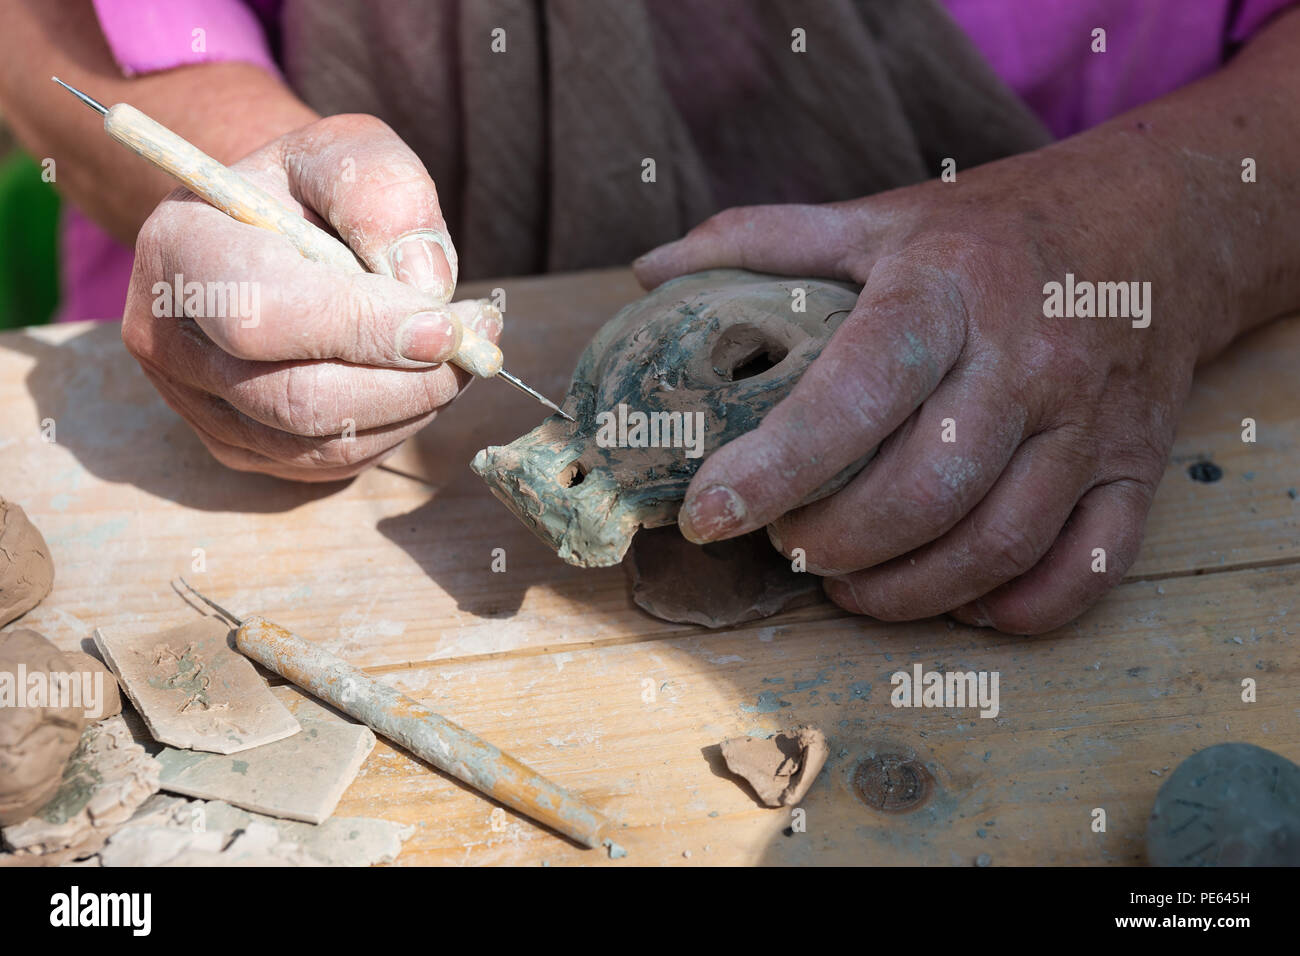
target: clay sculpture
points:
(26, 571)
(669, 379)
(36, 735)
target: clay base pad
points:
(193, 689)
(107, 778)
(716, 585)
(300, 778)
(1228, 805)
(780, 768)
(173, 831)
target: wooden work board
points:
(392, 571)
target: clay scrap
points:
(300, 778)
(668, 380)
(255, 845)
(40, 721)
(721, 584)
(193, 689)
(782, 768)
(173, 831)
(26, 569)
(107, 778)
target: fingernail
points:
(487, 320)
(711, 514)
(979, 614)
(428, 337)
(422, 262)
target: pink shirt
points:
(1041, 48)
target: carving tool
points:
(406, 721)
(240, 199)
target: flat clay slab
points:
(193, 689)
(299, 778)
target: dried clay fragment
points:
(781, 768)
(106, 780)
(666, 382)
(193, 689)
(173, 831)
(26, 569)
(36, 738)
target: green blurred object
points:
(29, 244)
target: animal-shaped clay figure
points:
(668, 380)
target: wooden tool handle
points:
(223, 187)
(428, 735)
(240, 199)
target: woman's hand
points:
(301, 371)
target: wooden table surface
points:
(392, 572)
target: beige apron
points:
(539, 152)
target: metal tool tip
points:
(206, 600)
(519, 384)
(90, 101)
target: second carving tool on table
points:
(428, 735)
(238, 198)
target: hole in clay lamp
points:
(573, 475)
(744, 351)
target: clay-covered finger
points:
(880, 365)
(257, 298)
(1095, 548)
(359, 176)
(247, 445)
(929, 473)
(820, 241)
(300, 398)
(1004, 536)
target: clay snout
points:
(557, 486)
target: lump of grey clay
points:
(722, 347)
(1228, 805)
(26, 569)
(35, 742)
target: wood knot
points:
(892, 783)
